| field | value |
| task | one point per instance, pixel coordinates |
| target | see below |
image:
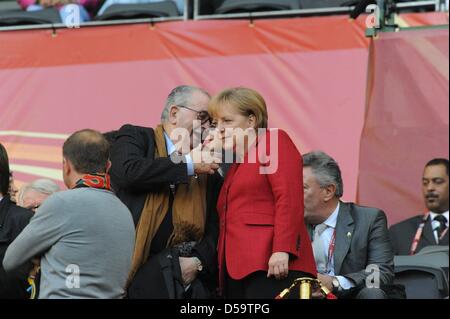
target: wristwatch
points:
(199, 264)
(336, 284)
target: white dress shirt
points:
(171, 149)
(326, 237)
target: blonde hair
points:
(246, 101)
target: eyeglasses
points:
(202, 116)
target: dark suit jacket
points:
(13, 220)
(402, 235)
(362, 239)
(135, 173)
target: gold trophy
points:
(306, 286)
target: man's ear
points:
(67, 166)
(330, 192)
(173, 111)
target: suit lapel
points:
(344, 234)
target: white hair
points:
(43, 186)
(181, 95)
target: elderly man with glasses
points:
(172, 197)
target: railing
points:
(269, 14)
(437, 5)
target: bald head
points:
(88, 151)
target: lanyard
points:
(418, 234)
(443, 234)
(331, 248)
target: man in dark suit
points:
(171, 195)
(13, 219)
(351, 243)
(411, 235)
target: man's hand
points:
(36, 266)
(204, 161)
(278, 265)
(202, 168)
(326, 280)
(213, 143)
(188, 269)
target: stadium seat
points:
(138, 11)
(425, 275)
(428, 250)
(235, 6)
(16, 17)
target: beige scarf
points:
(188, 212)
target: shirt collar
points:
(169, 145)
(433, 215)
(332, 220)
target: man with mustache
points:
(410, 236)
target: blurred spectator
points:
(411, 235)
(108, 3)
(13, 190)
(85, 236)
(13, 220)
(32, 195)
(87, 7)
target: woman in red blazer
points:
(263, 242)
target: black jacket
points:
(402, 235)
(13, 219)
(135, 173)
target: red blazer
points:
(263, 213)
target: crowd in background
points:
(88, 8)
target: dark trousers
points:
(258, 286)
(363, 293)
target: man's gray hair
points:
(325, 169)
(180, 95)
(43, 186)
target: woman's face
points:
(232, 127)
